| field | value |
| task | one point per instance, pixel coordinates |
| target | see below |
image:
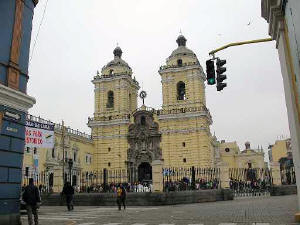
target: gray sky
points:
(77, 38)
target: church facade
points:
(125, 140)
(130, 138)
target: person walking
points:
(121, 196)
(31, 196)
(68, 191)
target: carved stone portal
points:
(144, 146)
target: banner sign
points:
(39, 135)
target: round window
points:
(227, 149)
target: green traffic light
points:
(211, 81)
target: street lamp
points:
(70, 162)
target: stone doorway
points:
(145, 172)
(50, 181)
(74, 180)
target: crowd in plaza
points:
(186, 184)
(112, 187)
(249, 185)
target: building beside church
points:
(281, 152)
(235, 158)
(179, 133)
(45, 165)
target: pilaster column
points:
(157, 176)
(275, 169)
(224, 174)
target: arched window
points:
(53, 153)
(110, 99)
(179, 62)
(111, 72)
(143, 121)
(129, 101)
(180, 90)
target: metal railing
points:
(288, 176)
(247, 182)
(191, 178)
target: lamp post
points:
(70, 162)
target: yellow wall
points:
(74, 142)
(279, 150)
(240, 159)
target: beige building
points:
(127, 139)
(184, 121)
(248, 158)
(46, 165)
(281, 149)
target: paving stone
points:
(279, 210)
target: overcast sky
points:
(77, 38)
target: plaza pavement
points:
(249, 211)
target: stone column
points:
(57, 180)
(224, 174)
(275, 169)
(157, 176)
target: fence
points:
(244, 182)
(250, 182)
(288, 176)
(192, 178)
(44, 180)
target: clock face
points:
(143, 94)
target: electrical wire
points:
(39, 29)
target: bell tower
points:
(184, 119)
(115, 100)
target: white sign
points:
(39, 135)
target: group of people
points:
(32, 197)
(186, 184)
(249, 185)
(112, 187)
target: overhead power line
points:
(38, 32)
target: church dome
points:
(182, 51)
(117, 65)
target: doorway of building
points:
(145, 172)
(74, 180)
(50, 180)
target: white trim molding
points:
(183, 131)
(184, 116)
(108, 123)
(272, 11)
(15, 99)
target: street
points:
(264, 210)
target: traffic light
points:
(210, 71)
(220, 76)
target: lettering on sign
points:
(15, 116)
(11, 129)
(39, 135)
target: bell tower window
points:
(181, 91)
(143, 121)
(179, 62)
(110, 99)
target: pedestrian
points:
(31, 196)
(68, 191)
(121, 196)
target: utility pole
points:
(63, 147)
